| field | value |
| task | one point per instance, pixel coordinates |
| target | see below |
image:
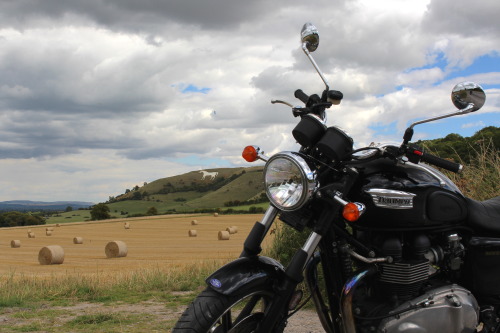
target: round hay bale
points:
(78, 240)
(15, 243)
(51, 255)
(235, 228)
(48, 233)
(223, 235)
(194, 222)
(116, 249)
(58, 225)
(216, 214)
(192, 233)
(231, 230)
(31, 235)
(126, 225)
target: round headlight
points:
(289, 181)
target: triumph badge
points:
(391, 199)
(215, 283)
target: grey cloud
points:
(139, 16)
(467, 19)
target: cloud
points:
(97, 86)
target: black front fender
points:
(246, 273)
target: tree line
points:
(18, 219)
(464, 149)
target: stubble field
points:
(158, 241)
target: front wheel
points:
(217, 313)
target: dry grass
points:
(154, 242)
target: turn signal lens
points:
(250, 154)
(351, 212)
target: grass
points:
(37, 300)
(480, 179)
(30, 291)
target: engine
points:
(446, 309)
(413, 292)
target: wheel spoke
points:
(247, 310)
(227, 322)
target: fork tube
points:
(252, 247)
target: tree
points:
(152, 211)
(69, 209)
(137, 195)
(100, 212)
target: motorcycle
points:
(400, 248)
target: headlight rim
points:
(308, 180)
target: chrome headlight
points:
(289, 181)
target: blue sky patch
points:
(484, 64)
(191, 88)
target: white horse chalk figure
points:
(206, 174)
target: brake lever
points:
(282, 102)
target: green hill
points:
(465, 149)
(190, 191)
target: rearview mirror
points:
(310, 37)
(466, 93)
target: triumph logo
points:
(391, 199)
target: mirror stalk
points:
(409, 131)
(469, 108)
(308, 54)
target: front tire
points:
(217, 313)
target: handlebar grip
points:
(442, 163)
(301, 95)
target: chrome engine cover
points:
(447, 309)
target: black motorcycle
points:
(401, 249)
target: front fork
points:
(293, 273)
(252, 247)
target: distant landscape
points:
(26, 205)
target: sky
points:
(98, 96)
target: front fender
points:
(245, 273)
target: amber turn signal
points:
(351, 212)
(250, 154)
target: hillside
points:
(464, 149)
(192, 191)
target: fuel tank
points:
(406, 195)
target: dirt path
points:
(151, 316)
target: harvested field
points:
(158, 242)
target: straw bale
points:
(194, 222)
(116, 249)
(231, 230)
(192, 233)
(78, 240)
(223, 235)
(51, 255)
(216, 214)
(48, 233)
(126, 225)
(31, 235)
(15, 243)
